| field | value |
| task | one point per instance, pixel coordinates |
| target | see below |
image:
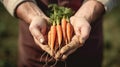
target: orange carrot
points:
(56, 14)
(63, 24)
(69, 31)
(53, 37)
(59, 34)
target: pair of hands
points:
(91, 10)
(38, 29)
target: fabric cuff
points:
(109, 4)
(11, 5)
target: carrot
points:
(69, 31)
(63, 24)
(59, 33)
(62, 30)
(53, 37)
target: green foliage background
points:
(9, 38)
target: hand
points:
(38, 29)
(82, 29)
(33, 15)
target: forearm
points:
(90, 10)
(11, 5)
(27, 11)
(23, 9)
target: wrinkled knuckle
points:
(71, 17)
(37, 36)
(31, 28)
(57, 56)
(62, 51)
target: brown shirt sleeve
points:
(11, 5)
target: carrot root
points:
(63, 24)
(59, 34)
(69, 31)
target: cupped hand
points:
(38, 29)
(82, 29)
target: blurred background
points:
(9, 38)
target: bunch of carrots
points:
(61, 30)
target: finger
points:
(72, 45)
(42, 28)
(37, 34)
(75, 25)
(77, 31)
(85, 31)
(72, 18)
(43, 47)
(58, 55)
(75, 44)
(64, 57)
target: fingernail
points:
(41, 40)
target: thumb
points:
(67, 54)
(85, 31)
(37, 34)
